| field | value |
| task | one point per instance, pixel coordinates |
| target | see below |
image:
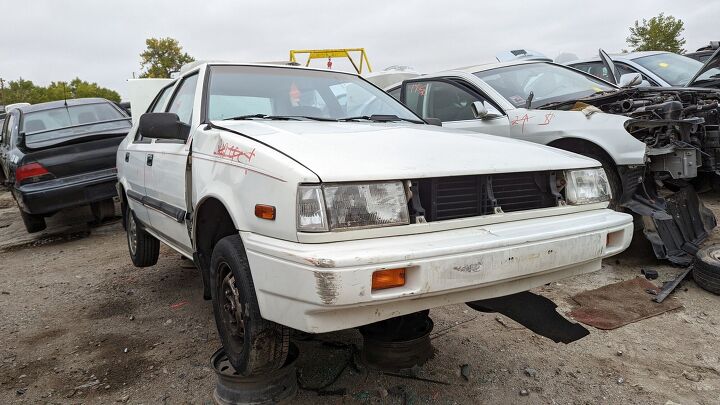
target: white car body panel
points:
(545, 126)
(142, 92)
(319, 282)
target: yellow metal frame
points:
(333, 53)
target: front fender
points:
(604, 130)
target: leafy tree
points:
(162, 57)
(18, 91)
(660, 33)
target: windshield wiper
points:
(380, 118)
(262, 116)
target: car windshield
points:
(549, 83)
(72, 121)
(711, 73)
(675, 69)
(258, 91)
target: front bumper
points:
(326, 287)
(50, 196)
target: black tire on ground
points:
(706, 270)
(613, 178)
(144, 248)
(253, 345)
(33, 223)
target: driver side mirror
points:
(480, 111)
(163, 126)
(630, 80)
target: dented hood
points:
(361, 151)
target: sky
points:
(100, 40)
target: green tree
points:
(25, 91)
(660, 33)
(162, 57)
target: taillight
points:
(31, 173)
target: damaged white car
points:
(300, 214)
(643, 137)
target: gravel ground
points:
(80, 324)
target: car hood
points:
(360, 151)
(713, 62)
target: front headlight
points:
(587, 186)
(351, 206)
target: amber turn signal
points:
(265, 211)
(390, 278)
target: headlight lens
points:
(352, 206)
(587, 186)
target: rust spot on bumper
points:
(326, 287)
(469, 268)
(322, 263)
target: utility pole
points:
(2, 91)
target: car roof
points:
(197, 66)
(61, 103)
(616, 56)
(493, 65)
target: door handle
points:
(149, 159)
(127, 156)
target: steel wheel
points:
(132, 234)
(233, 310)
(234, 314)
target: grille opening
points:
(454, 197)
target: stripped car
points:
(643, 137)
(300, 214)
(657, 68)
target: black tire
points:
(613, 178)
(253, 345)
(144, 248)
(102, 210)
(33, 223)
(706, 270)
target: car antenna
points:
(529, 99)
(64, 94)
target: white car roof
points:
(619, 56)
(492, 65)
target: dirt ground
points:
(80, 324)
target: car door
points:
(450, 101)
(135, 158)
(165, 167)
(5, 146)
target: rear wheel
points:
(253, 345)
(104, 209)
(33, 223)
(144, 248)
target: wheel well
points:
(212, 223)
(582, 147)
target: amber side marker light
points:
(265, 211)
(390, 278)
